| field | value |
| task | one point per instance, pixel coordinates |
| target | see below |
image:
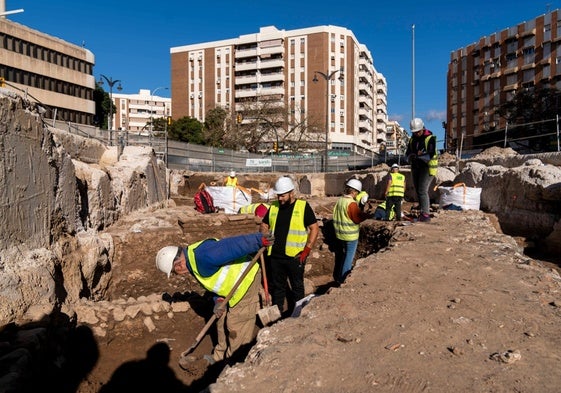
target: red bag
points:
(203, 202)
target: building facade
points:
(51, 71)
(135, 112)
(320, 76)
(488, 73)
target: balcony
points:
(246, 79)
(272, 77)
(246, 66)
(273, 63)
(241, 53)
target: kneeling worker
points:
(217, 265)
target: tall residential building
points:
(135, 112)
(52, 71)
(488, 73)
(311, 76)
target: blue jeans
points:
(344, 256)
(421, 181)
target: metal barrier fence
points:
(188, 156)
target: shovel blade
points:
(269, 314)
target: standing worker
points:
(395, 191)
(294, 226)
(421, 154)
(217, 265)
(231, 180)
(346, 219)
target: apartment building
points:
(135, 112)
(319, 76)
(49, 70)
(486, 74)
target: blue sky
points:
(131, 40)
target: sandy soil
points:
(437, 310)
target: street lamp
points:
(111, 83)
(327, 76)
(151, 114)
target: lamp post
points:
(111, 83)
(327, 76)
(151, 114)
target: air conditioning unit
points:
(200, 95)
(192, 95)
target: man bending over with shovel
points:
(225, 268)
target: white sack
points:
(468, 198)
(229, 198)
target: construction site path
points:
(450, 305)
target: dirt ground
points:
(437, 309)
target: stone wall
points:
(57, 191)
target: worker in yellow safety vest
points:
(217, 265)
(231, 180)
(295, 227)
(395, 191)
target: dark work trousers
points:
(283, 269)
(392, 201)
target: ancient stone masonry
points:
(52, 205)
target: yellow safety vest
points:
(383, 206)
(359, 196)
(433, 162)
(297, 233)
(231, 181)
(250, 209)
(225, 278)
(397, 188)
(345, 228)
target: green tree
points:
(215, 127)
(187, 129)
(102, 105)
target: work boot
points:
(424, 217)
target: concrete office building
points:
(279, 68)
(51, 71)
(486, 74)
(134, 112)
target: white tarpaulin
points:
(229, 198)
(468, 198)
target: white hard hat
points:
(416, 125)
(356, 184)
(395, 166)
(165, 257)
(283, 185)
(233, 174)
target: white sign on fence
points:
(259, 162)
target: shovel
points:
(269, 313)
(184, 358)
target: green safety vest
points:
(297, 233)
(397, 188)
(345, 228)
(222, 282)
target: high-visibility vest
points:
(250, 209)
(231, 181)
(222, 282)
(297, 233)
(433, 162)
(383, 206)
(359, 196)
(345, 228)
(397, 188)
